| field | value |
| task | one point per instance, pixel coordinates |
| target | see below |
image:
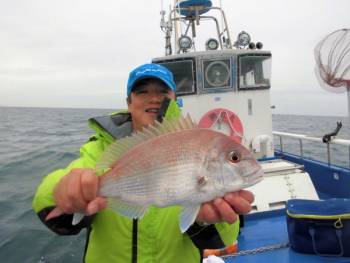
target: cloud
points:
(74, 53)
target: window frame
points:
(255, 87)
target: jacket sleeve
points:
(43, 201)
(213, 236)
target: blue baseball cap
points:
(151, 71)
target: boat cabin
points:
(226, 86)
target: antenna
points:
(166, 27)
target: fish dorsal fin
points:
(120, 147)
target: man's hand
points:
(227, 208)
(77, 192)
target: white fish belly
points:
(162, 186)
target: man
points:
(112, 237)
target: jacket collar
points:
(117, 125)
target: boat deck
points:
(270, 228)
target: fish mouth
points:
(254, 177)
(152, 110)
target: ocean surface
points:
(35, 141)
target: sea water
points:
(35, 141)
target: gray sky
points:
(78, 53)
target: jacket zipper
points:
(134, 241)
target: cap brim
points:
(166, 83)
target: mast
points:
(177, 28)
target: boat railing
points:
(186, 15)
(303, 137)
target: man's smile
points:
(152, 110)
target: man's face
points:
(145, 101)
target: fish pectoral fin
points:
(127, 209)
(188, 216)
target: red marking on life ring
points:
(221, 115)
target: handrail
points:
(220, 31)
(304, 137)
(310, 138)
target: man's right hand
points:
(78, 192)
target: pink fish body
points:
(174, 163)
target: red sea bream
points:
(174, 163)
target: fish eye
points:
(234, 157)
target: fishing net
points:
(332, 56)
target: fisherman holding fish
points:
(150, 191)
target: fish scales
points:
(146, 177)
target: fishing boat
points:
(225, 85)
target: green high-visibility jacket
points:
(115, 238)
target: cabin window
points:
(217, 75)
(184, 73)
(254, 72)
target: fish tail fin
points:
(56, 212)
(77, 217)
